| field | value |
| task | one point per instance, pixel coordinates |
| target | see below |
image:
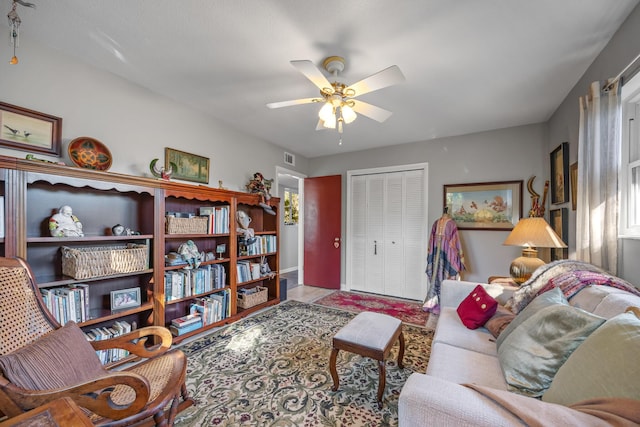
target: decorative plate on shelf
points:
(89, 153)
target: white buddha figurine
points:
(65, 224)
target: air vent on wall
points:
(289, 159)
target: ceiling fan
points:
(339, 105)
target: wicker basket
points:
(194, 225)
(84, 263)
(249, 300)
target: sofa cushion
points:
(551, 297)
(450, 330)
(59, 359)
(477, 308)
(616, 303)
(461, 366)
(499, 321)
(532, 354)
(605, 365)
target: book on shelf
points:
(218, 217)
(181, 331)
(191, 282)
(187, 320)
(118, 328)
(67, 303)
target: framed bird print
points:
(29, 130)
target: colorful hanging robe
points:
(445, 259)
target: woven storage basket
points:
(84, 263)
(249, 300)
(195, 225)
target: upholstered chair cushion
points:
(59, 359)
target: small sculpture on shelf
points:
(118, 230)
(246, 233)
(189, 252)
(161, 172)
(265, 270)
(260, 185)
(65, 223)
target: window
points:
(630, 160)
(290, 207)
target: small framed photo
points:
(125, 298)
(559, 221)
(485, 205)
(186, 166)
(560, 174)
(29, 130)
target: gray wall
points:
(500, 155)
(563, 125)
(135, 123)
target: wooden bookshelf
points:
(33, 191)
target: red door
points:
(322, 228)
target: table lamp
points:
(531, 233)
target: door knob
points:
(336, 242)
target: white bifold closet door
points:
(388, 237)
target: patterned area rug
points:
(405, 310)
(272, 369)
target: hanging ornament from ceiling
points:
(14, 27)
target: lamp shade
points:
(534, 232)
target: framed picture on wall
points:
(187, 166)
(558, 219)
(560, 174)
(573, 174)
(485, 205)
(29, 130)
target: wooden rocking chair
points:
(41, 361)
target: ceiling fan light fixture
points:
(327, 111)
(347, 113)
(330, 123)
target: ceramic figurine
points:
(261, 186)
(118, 230)
(65, 224)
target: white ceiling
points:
(470, 65)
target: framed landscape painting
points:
(484, 206)
(187, 166)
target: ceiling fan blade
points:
(313, 73)
(293, 102)
(376, 113)
(387, 77)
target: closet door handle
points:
(375, 247)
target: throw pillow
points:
(546, 299)
(59, 359)
(532, 354)
(605, 365)
(477, 308)
(499, 321)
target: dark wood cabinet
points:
(33, 191)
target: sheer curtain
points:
(599, 144)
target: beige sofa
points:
(464, 356)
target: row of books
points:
(248, 270)
(262, 245)
(204, 311)
(111, 355)
(188, 282)
(218, 218)
(68, 303)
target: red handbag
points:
(477, 308)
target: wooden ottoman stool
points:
(369, 335)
